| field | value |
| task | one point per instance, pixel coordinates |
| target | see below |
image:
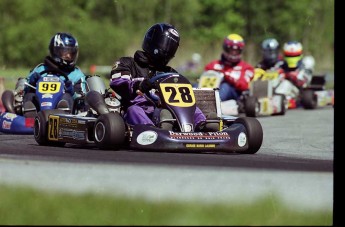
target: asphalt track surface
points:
(295, 162)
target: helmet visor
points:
(168, 46)
(270, 54)
(68, 54)
(292, 62)
(232, 54)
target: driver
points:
(237, 72)
(129, 75)
(64, 50)
(298, 69)
(271, 57)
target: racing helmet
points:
(63, 49)
(293, 53)
(160, 43)
(270, 51)
(233, 45)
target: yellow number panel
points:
(178, 94)
(53, 128)
(49, 87)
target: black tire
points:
(254, 133)
(252, 106)
(109, 131)
(283, 104)
(7, 99)
(308, 99)
(41, 128)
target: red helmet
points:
(233, 46)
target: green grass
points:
(26, 206)
(11, 76)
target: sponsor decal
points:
(187, 127)
(46, 104)
(242, 139)
(72, 122)
(70, 133)
(29, 122)
(9, 116)
(147, 138)
(6, 124)
(50, 77)
(199, 135)
(47, 96)
(193, 145)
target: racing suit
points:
(236, 78)
(126, 75)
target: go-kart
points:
(263, 100)
(174, 131)
(313, 95)
(49, 93)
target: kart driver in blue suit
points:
(64, 50)
(130, 75)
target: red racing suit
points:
(238, 75)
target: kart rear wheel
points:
(41, 128)
(254, 133)
(7, 99)
(109, 131)
(308, 99)
(252, 106)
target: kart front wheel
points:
(254, 133)
(109, 131)
(309, 99)
(252, 106)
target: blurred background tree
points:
(109, 29)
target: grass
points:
(27, 206)
(11, 76)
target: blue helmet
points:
(63, 49)
(270, 50)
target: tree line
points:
(109, 29)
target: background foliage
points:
(108, 29)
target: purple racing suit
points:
(126, 75)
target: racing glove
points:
(145, 85)
(34, 78)
(69, 87)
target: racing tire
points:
(283, 104)
(7, 99)
(308, 99)
(252, 106)
(254, 133)
(41, 128)
(109, 131)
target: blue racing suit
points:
(76, 85)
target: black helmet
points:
(160, 43)
(63, 48)
(270, 50)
